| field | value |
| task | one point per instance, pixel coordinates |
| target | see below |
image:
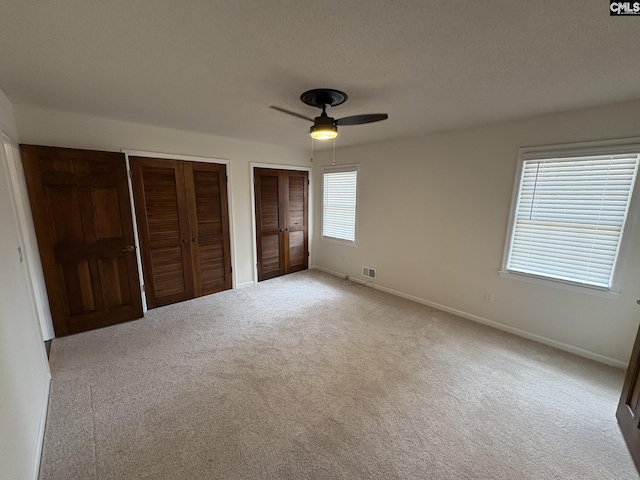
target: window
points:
(339, 203)
(570, 212)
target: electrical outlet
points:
(488, 297)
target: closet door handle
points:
(281, 230)
(128, 248)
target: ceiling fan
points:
(325, 127)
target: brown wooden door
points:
(628, 413)
(281, 221)
(82, 216)
(206, 185)
(269, 195)
(296, 230)
(183, 226)
(163, 229)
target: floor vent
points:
(369, 272)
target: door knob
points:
(281, 230)
(128, 248)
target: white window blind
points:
(570, 216)
(339, 203)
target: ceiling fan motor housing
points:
(324, 120)
(323, 123)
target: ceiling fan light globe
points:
(324, 132)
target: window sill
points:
(560, 285)
(340, 241)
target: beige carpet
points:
(300, 377)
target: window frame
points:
(337, 169)
(608, 147)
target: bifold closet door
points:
(163, 229)
(296, 228)
(183, 226)
(281, 221)
(269, 195)
(628, 412)
(206, 185)
(82, 217)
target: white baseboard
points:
(245, 284)
(43, 422)
(492, 323)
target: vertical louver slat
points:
(570, 217)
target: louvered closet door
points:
(209, 223)
(269, 194)
(296, 221)
(628, 413)
(163, 229)
(281, 221)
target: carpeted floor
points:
(300, 377)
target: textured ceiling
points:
(215, 66)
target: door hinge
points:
(142, 287)
(129, 173)
(231, 269)
(226, 178)
(308, 182)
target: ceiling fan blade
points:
(360, 119)
(289, 112)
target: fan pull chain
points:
(333, 162)
(311, 160)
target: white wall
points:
(432, 218)
(46, 127)
(24, 370)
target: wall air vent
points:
(369, 272)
